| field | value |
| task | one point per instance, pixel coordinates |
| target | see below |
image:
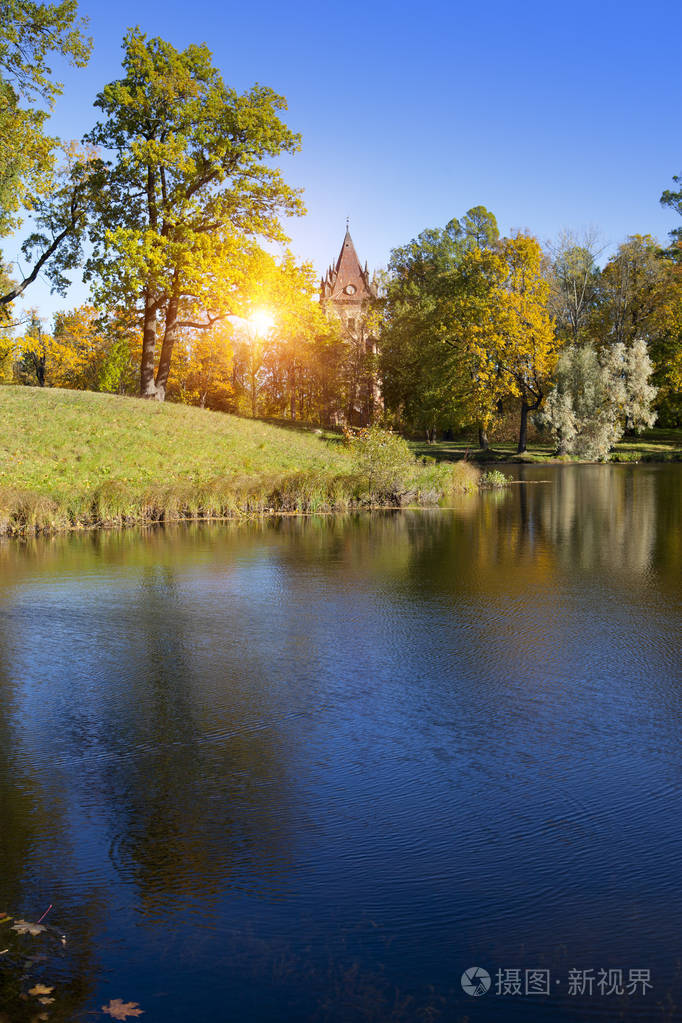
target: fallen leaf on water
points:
(46, 1001)
(24, 927)
(40, 989)
(5, 918)
(121, 1010)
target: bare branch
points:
(49, 251)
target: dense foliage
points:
(596, 398)
(177, 193)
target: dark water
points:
(315, 769)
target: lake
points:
(315, 769)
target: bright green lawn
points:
(74, 458)
(57, 441)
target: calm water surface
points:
(314, 769)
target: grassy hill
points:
(75, 458)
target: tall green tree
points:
(673, 200)
(190, 194)
(423, 379)
(31, 34)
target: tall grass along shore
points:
(75, 459)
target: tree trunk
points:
(169, 335)
(561, 446)
(147, 385)
(483, 442)
(523, 429)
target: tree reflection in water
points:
(308, 766)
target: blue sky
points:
(553, 116)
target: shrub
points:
(494, 479)
(386, 468)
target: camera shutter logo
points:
(476, 981)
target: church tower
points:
(347, 290)
(347, 287)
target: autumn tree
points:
(665, 346)
(640, 297)
(83, 351)
(280, 357)
(293, 355)
(190, 194)
(249, 363)
(78, 349)
(529, 344)
(31, 34)
(202, 371)
(630, 289)
(307, 369)
(500, 327)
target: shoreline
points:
(72, 461)
(33, 517)
(18, 525)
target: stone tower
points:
(347, 290)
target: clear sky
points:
(552, 115)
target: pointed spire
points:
(346, 281)
(348, 263)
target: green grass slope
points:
(75, 458)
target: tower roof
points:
(347, 281)
(348, 264)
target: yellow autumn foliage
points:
(500, 322)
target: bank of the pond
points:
(75, 460)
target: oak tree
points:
(189, 197)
